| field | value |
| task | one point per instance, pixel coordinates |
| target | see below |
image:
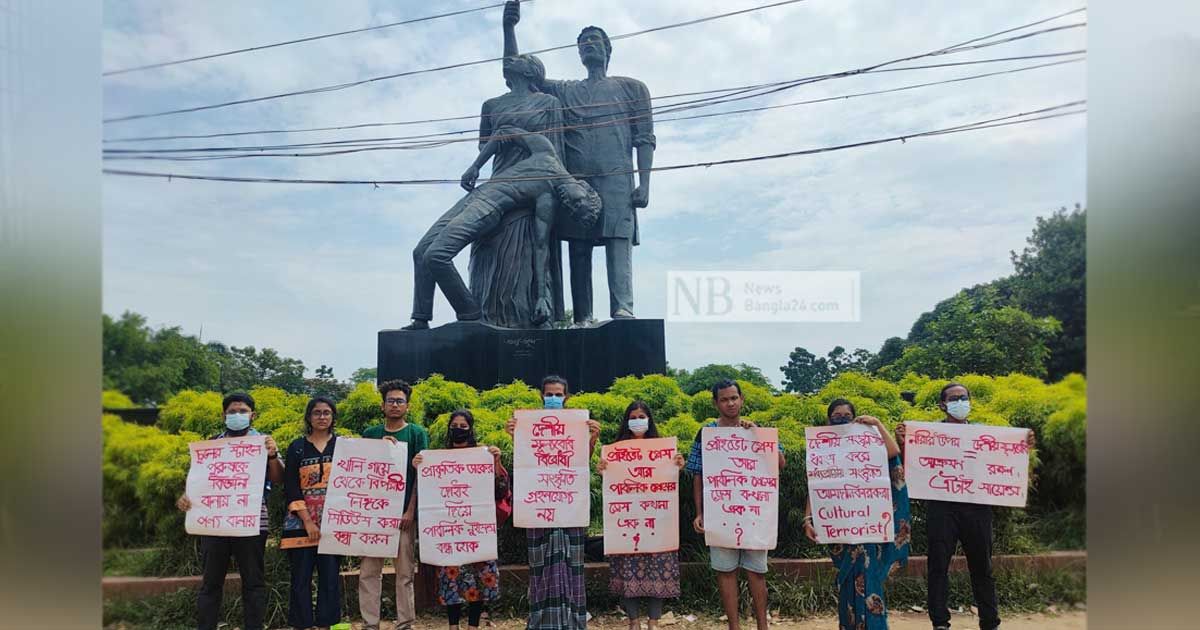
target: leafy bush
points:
(189, 410)
(435, 396)
(144, 467)
(701, 405)
(504, 398)
(362, 408)
(113, 399)
(661, 393)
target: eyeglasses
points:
(957, 398)
(322, 414)
(396, 401)
(841, 418)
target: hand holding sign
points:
(641, 496)
(365, 500)
(741, 487)
(224, 486)
(967, 463)
(849, 485)
(550, 468)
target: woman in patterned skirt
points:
(477, 583)
(862, 569)
(649, 578)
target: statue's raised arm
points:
(512, 15)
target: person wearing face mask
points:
(248, 550)
(949, 523)
(472, 585)
(863, 568)
(306, 478)
(649, 578)
(557, 600)
(727, 400)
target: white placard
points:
(365, 498)
(225, 486)
(456, 501)
(550, 468)
(966, 463)
(849, 484)
(741, 487)
(641, 496)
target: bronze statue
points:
(608, 119)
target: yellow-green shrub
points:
(190, 410)
(113, 399)
(361, 408)
(661, 393)
(435, 396)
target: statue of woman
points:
(502, 268)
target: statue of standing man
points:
(607, 120)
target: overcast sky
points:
(316, 271)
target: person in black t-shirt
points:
(248, 550)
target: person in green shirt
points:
(395, 428)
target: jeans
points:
(949, 524)
(329, 589)
(215, 552)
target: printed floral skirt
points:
(479, 582)
(645, 575)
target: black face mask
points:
(459, 436)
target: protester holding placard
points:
(951, 522)
(396, 428)
(249, 551)
(557, 599)
(477, 583)
(646, 578)
(727, 398)
(863, 568)
(305, 480)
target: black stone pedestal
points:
(483, 355)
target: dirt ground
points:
(1072, 620)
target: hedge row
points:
(145, 467)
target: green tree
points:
(1051, 280)
(325, 384)
(703, 377)
(151, 365)
(805, 372)
(364, 375)
(892, 348)
(968, 334)
(246, 367)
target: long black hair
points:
(625, 434)
(465, 414)
(312, 403)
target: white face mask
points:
(639, 426)
(237, 421)
(959, 408)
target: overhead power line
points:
(878, 67)
(345, 147)
(403, 123)
(1056, 111)
(408, 73)
(313, 38)
(954, 48)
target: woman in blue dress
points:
(863, 568)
